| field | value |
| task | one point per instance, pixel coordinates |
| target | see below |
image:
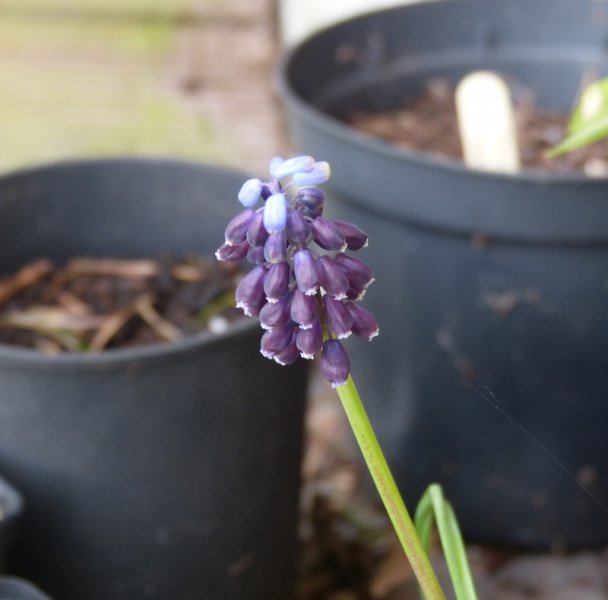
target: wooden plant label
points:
(487, 123)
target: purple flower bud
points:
(298, 229)
(250, 291)
(338, 317)
(364, 322)
(255, 255)
(310, 341)
(276, 314)
(232, 252)
(331, 278)
(355, 237)
(320, 173)
(277, 281)
(305, 272)
(275, 248)
(275, 213)
(358, 273)
(355, 293)
(266, 192)
(250, 192)
(335, 365)
(256, 234)
(327, 235)
(291, 166)
(309, 200)
(275, 341)
(304, 309)
(289, 355)
(236, 230)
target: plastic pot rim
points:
(15, 356)
(348, 134)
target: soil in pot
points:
(428, 123)
(97, 304)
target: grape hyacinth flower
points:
(303, 286)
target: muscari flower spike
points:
(303, 286)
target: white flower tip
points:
(311, 291)
(307, 356)
(343, 336)
(244, 308)
(219, 257)
(266, 354)
(335, 385)
(373, 335)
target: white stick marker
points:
(487, 123)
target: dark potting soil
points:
(428, 124)
(89, 305)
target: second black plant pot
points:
(490, 372)
(11, 507)
(13, 588)
(168, 471)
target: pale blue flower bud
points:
(319, 174)
(335, 365)
(291, 166)
(275, 213)
(275, 163)
(250, 192)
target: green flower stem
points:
(385, 484)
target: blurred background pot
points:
(13, 588)
(11, 507)
(490, 374)
(166, 471)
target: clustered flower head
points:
(304, 296)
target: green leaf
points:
(434, 507)
(592, 132)
(593, 103)
(589, 121)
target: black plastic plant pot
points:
(11, 507)
(167, 471)
(13, 588)
(489, 374)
